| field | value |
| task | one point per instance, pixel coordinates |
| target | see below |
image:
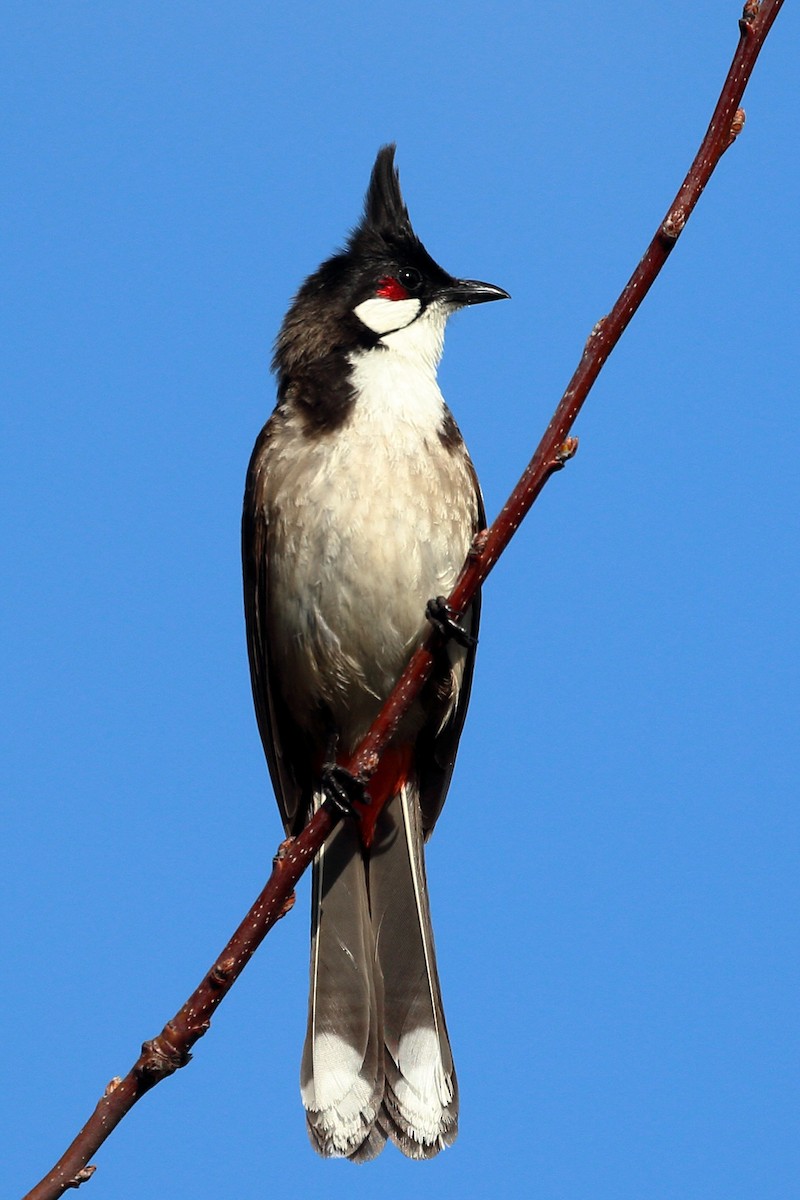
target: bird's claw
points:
(344, 790)
(440, 614)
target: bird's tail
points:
(420, 1103)
(341, 1076)
(377, 1062)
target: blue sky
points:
(614, 879)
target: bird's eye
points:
(410, 278)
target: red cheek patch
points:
(391, 289)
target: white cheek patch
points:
(384, 316)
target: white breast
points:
(367, 524)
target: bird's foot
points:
(440, 614)
(346, 792)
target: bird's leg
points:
(440, 614)
(344, 790)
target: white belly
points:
(366, 524)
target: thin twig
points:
(171, 1049)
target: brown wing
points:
(289, 753)
(436, 752)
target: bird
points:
(361, 505)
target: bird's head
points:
(382, 289)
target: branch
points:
(171, 1049)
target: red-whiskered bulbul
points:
(361, 505)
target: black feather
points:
(385, 212)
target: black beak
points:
(472, 291)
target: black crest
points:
(385, 212)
